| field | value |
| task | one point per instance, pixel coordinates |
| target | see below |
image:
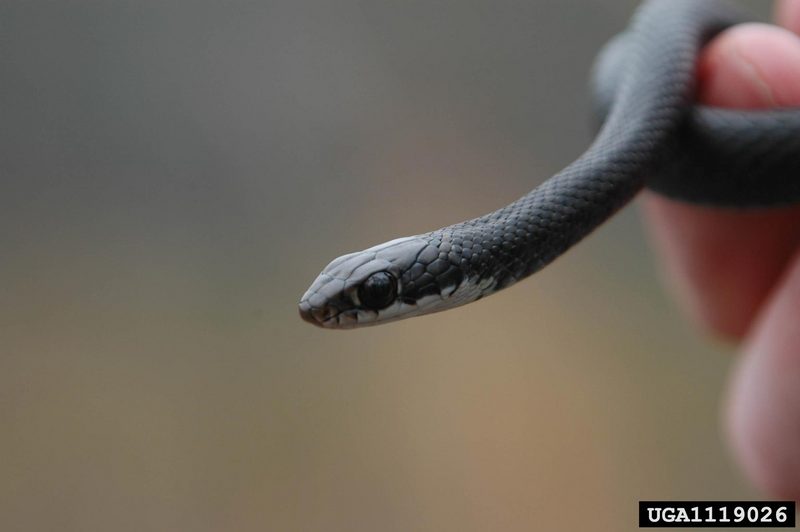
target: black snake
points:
(652, 134)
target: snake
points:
(651, 133)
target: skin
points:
(737, 274)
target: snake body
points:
(651, 134)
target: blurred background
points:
(174, 175)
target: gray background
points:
(174, 175)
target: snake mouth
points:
(328, 317)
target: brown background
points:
(174, 174)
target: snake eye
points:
(378, 291)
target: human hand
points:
(738, 272)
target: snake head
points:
(387, 282)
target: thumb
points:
(747, 68)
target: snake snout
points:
(307, 313)
(331, 312)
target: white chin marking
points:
(453, 297)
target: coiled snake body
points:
(652, 134)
